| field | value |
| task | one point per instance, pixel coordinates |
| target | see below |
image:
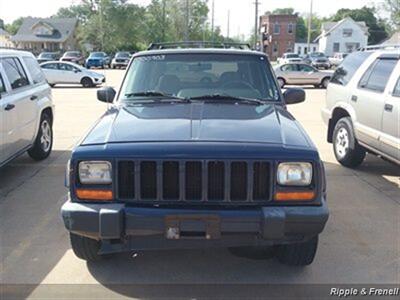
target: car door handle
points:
(9, 107)
(389, 107)
(33, 97)
(354, 98)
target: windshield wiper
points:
(228, 98)
(153, 94)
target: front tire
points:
(345, 146)
(298, 254)
(325, 82)
(85, 248)
(86, 82)
(44, 140)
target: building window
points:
(290, 28)
(314, 49)
(347, 32)
(289, 47)
(336, 47)
(299, 50)
(277, 28)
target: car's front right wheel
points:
(298, 254)
(348, 151)
(85, 248)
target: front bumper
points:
(95, 63)
(124, 228)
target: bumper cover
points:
(148, 228)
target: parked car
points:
(317, 60)
(289, 58)
(337, 59)
(47, 56)
(74, 57)
(98, 59)
(363, 107)
(180, 165)
(301, 74)
(120, 60)
(26, 108)
(70, 73)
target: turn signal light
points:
(94, 195)
(294, 196)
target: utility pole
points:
(309, 27)
(256, 3)
(212, 20)
(229, 24)
(187, 17)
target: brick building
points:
(278, 34)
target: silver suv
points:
(26, 107)
(363, 107)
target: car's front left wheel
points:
(298, 254)
(44, 139)
(86, 82)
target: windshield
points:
(292, 56)
(72, 54)
(97, 54)
(122, 55)
(195, 75)
(46, 55)
(317, 54)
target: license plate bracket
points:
(206, 227)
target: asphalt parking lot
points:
(360, 244)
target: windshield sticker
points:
(151, 58)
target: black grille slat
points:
(238, 181)
(261, 181)
(216, 180)
(193, 180)
(182, 181)
(148, 180)
(170, 180)
(126, 179)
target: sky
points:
(241, 11)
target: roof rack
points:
(198, 44)
(380, 47)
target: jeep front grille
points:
(211, 181)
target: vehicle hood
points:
(93, 74)
(197, 122)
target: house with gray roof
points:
(393, 40)
(344, 36)
(50, 34)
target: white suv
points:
(26, 108)
(363, 107)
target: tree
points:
(283, 11)
(377, 27)
(14, 26)
(393, 7)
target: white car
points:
(69, 73)
(363, 107)
(337, 58)
(289, 58)
(26, 108)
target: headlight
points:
(95, 172)
(294, 173)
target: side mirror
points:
(106, 94)
(294, 95)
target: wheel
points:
(44, 140)
(325, 82)
(52, 84)
(85, 248)
(299, 254)
(281, 82)
(86, 82)
(113, 66)
(345, 146)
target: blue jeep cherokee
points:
(197, 150)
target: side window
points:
(289, 68)
(349, 66)
(14, 72)
(396, 91)
(306, 68)
(34, 69)
(65, 67)
(377, 75)
(49, 66)
(2, 85)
